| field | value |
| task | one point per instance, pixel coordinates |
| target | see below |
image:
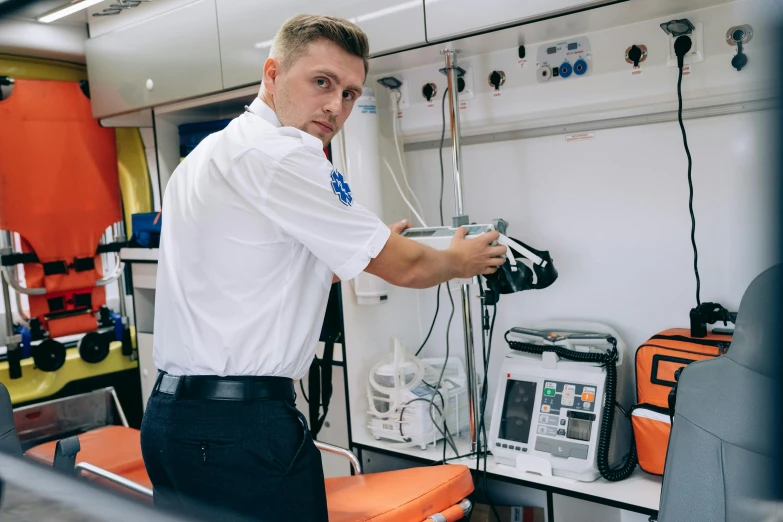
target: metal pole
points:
(12, 340)
(456, 152)
(461, 219)
(6, 246)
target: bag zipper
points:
(722, 346)
(681, 350)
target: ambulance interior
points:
(627, 151)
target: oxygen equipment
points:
(356, 151)
(405, 407)
(554, 406)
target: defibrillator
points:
(554, 405)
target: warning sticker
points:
(582, 136)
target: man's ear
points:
(271, 70)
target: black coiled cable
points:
(609, 361)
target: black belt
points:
(235, 388)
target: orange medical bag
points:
(657, 363)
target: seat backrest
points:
(9, 439)
(724, 447)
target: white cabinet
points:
(171, 56)
(247, 28)
(449, 18)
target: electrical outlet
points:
(405, 100)
(696, 54)
(468, 93)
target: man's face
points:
(317, 92)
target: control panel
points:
(564, 60)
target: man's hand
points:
(398, 227)
(476, 256)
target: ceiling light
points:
(66, 9)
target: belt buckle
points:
(171, 385)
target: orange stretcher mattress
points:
(409, 495)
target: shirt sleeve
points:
(311, 202)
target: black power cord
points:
(440, 156)
(681, 47)
(487, 324)
(609, 361)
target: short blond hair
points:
(291, 40)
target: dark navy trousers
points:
(232, 460)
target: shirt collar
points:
(260, 108)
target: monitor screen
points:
(517, 415)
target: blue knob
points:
(580, 67)
(566, 70)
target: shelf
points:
(139, 254)
(640, 492)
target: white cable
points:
(399, 188)
(399, 151)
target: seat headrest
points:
(757, 342)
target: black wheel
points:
(49, 355)
(94, 347)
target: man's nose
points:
(334, 105)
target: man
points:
(254, 231)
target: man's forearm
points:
(431, 268)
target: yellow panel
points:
(134, 174)
(36, 384)
(40, 69)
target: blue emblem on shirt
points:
(341, 188)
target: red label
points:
(463, 105)
(522, 63)
(686, 70)
(496, 93)
(636, 71)
(429, 104)
(399, 114)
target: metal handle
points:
(355, 463)
(108, 475)
(11, 280)
(119, 267)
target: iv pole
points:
(459, 219)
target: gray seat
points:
(724, 448)
(9, 440)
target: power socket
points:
(696, 54)
(468, 93)
(405, 99)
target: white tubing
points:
(399, 152)
(403, 194)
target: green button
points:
(549, 392)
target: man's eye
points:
(348, 96)
(321, 82)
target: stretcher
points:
(111, 456)
(61, 228)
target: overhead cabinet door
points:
(247, 28)
(170, 57)
(449, 18)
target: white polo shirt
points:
(255, 221)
